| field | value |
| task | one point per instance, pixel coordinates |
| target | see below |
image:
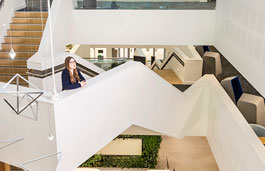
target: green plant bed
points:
(148, 159)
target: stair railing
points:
(1, 3)
(167, 165)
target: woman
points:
(71, 77)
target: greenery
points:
(148, 159)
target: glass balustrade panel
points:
(145, 4)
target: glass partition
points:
(145, 4)
(108, 63)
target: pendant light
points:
(12, 53)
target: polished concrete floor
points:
(191, 153)
(187, 154)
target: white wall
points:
(81, 50)
(6, 13)
(204, 109)
(240, 27)
(35, 143)
(61, 17)
(234, 144)
(19, 4)
(125, 27)
(46, 84)
(143, 27)
(102, 104)
(232, 141)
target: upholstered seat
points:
(212, 63)
(233, 87)
(251, 106)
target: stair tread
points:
(25, 24)
(20, 59)
(23, 37)
(30, 12)
(30, 17)
(25, 30)
(8, 75)
(32, 37)
(20, 44)
(13, 60)
(23, 59)
(18, 51)
(12, 66)
(14, 30)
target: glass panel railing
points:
(36, 5)
(108, 63)
(145, 4)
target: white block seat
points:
(212, 63)
(252, 108)
(232, 87)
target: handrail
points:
(167, 163)
(139, 5)
(108, 59)
(1, 3)
(165, 62)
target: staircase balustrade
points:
(1, 3)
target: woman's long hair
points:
(73, 76)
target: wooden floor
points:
(169, 75)
(4, 167)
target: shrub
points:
(148, 159)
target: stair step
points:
(31, 14)
(2, 166)
(12, 70)
(32, 27)
(18, 63)
(20, 47)
(19, 55)
(22, 40)
(17, 20)
(24, 33)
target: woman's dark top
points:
(66, 82)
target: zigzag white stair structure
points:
(85, 120)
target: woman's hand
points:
(82, 83)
